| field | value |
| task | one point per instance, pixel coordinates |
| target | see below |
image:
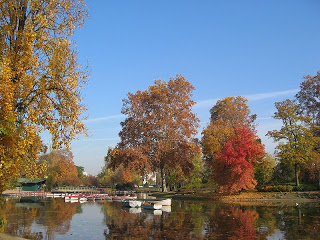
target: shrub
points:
(275, 188)
(125, 186)
(305, 187)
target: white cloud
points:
(119, 116)
(250, 97)
(206, 103)
(261, 96)
(101, 139)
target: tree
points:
(264, 169)
(114, 172)
(80, 171)
(309, 97)
(61, 169)
(299, 141)
(157, 133)
(197, 172)
(309, 104)
(226, 115)
(233, 166)
(40, 79)
(232, 111)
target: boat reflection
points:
(183, 220)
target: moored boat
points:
(131, 203)
(75, 198)
(120, 198)
(151, 205)
(163, 202)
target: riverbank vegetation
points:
(232, 157)
(40, 92)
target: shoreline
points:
(248, 198)
(5, 236)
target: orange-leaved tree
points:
(228, 115)
(61, 168)
(40, 79)
(157, 134)
(233, 166)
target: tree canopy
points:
(309, 97)
(40, 78)
(226, 115)
(230, 145)
(296, 136)
(157, 134)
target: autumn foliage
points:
(233, 167)
(230, 145)
(40, 79)
(157, 134)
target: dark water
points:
(55, 219)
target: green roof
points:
(31, 180)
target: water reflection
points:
(36, 218)
(22, 214)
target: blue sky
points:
(260, 49)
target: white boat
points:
(163, 202)
(120, 198)
(151, 205)
(166, 209)
(75, 198)
(131, 203)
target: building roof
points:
(31, 180)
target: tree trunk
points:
(163, 181)
(319, 178)
(297, 174)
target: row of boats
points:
(154, 204)
(127, 201)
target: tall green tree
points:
(264, 169)
(309, 105)
(158, 132)
(296, 139)
(40, 79)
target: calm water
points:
(55, 219)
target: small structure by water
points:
(34, 185)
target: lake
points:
(48, 218)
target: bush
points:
(305, 187)
(125, 186)
(275, 188)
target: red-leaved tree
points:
(233, 166)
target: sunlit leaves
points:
(233, 166)
(39, 79)
(230, 145)
(157, 133)
(296, 139)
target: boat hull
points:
(131, 203)
(152, 206)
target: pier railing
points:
(74, 190)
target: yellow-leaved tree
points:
(40, 79)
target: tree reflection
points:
(54, 215)
(232, 223)
(189, 221)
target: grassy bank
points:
(246, 197)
